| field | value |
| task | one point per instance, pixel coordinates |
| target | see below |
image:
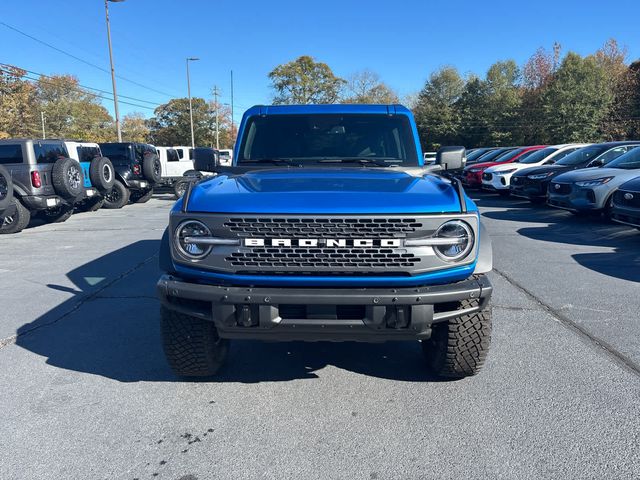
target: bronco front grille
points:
(323, 227)
(351, 259)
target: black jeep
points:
(138, 170)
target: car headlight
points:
(505, 172)
(456, 240)
(185, 234)
(540, 176)
(595, 182)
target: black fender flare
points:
(164, 254)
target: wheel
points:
(458, 348)
(144, 198)
(179, 188)
(191, 345)
(101, 174)
(118, 197)
(6, 188)
(56, 215)
(608, 208)
(92, 205)
(18, 220)
(67, 178)
(152, 168)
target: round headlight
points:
(460, 236)
(185, 234)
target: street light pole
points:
(193, 138)
(215, 96)
(113, 72)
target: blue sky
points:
(403, 41)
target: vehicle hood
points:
(595, 172)
(632, 185)
(325, 191)
(533, 170)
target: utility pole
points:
(44, 134)
(232, 121)
(193, 138)
(113, 72)
(215, 97)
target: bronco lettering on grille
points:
(325, 242)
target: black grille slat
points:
(619, 199)
(319, 227)
(561, 188)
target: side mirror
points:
(206, 159)
(451, 158)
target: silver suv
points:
(46, 182)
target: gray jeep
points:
(46, 182)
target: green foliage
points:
(171, 124)
(18, 118)
(576, 101)
(134, 128)
(305, 81)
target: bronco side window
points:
(49, 152)
(11, 153)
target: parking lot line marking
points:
(617, 356)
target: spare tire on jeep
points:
(67, 178)
(152, 168)
(102, 174)
(6, 188)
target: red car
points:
(472, 175)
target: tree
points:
(135, 128)
(576, 101)
(471, 106)
(503, 104)
(435, 111)
(171, 124)
(366, 87)
(19, 116)
(305, 81)
(72, 112)
(226, 137)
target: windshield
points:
(323, 138)
(537, 155)
(489, 157)
(582, 155)
(508, 156)
(476, 154)
(628, 161)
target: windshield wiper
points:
(380, 161)
(275, 161)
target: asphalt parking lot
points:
(86, 392)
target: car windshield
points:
(490, 156)
(536, 156)
(628, 161)
(582, 155)
(508, 156)
(328, 138)
(476, 154)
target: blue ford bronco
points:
(326, 227)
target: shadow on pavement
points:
(589, 231)
(110, 327)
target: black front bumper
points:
(359, 314)
(626, 215)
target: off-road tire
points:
(179, 188)
(191, 345)
(56, 215)
(6, 188)
(458, 348)
(152, 168)
(92, 205)
(118, 197)
(144, 198)
(102, 174)
(67, 178)
(18, 221)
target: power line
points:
(86, 62)
(83, 86)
